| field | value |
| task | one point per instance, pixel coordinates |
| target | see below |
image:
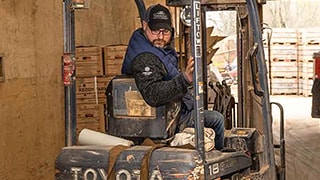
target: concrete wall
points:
(107, 21)
(31, 98)
(32, 95)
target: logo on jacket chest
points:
(147, 71)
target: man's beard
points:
(159, 43)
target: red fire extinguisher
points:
(68, 68)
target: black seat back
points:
(129, 116)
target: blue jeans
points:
(212, 119)
(215, 120)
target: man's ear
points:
(144, 25)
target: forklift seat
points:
(130, 117)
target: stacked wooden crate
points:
(291, 59)
(283, 71)
(309, 43)
(89, 61)
(113, 59)
(95, 67)
(89, 106)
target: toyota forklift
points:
(249, 148)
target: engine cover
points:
(93, 162)
(146, 162)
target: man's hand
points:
(189, 69)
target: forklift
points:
(248, 136)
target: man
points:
(154, 65)
(315, 109)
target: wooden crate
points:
(306, 52)
(283, 52)
(113, 59)
(113, 66)
(92, 89)
(89, 61)
(284, 86)
(284, 36)
(290, 83)
(283, 69)
(91, 116)
(115, 51)
(281, 66)
(275, 91)
(306, 69)
(305, 86)
(309, 36)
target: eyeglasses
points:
(164, 32)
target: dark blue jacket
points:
(139, 44)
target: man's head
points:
(157, 25)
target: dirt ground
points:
(301, 137)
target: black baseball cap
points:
(158, 17)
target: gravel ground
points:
(301, 136)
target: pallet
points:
(306, 52)
(284, 36)
(309, 36)
(277, 83)
(306, 70)
(283, 92)
(291, 66)
(305, 93)
(283, 51)
(284, 86)
(284, 75)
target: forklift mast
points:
(254, 109)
